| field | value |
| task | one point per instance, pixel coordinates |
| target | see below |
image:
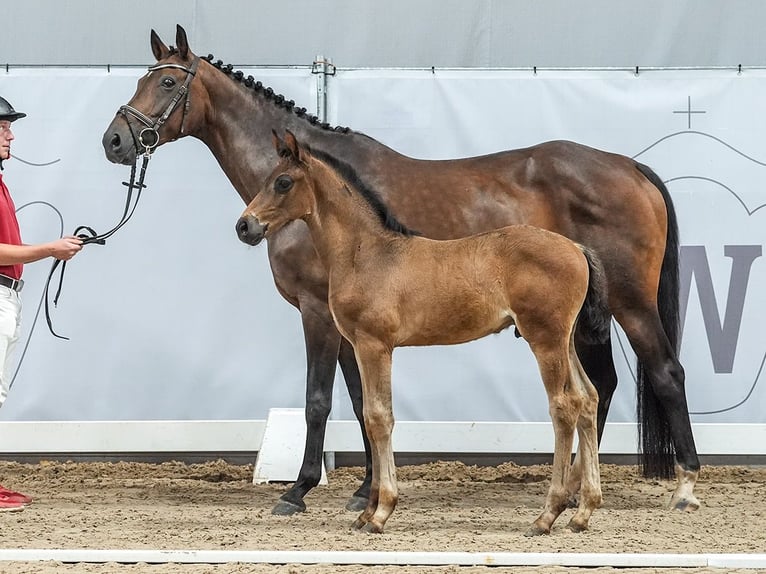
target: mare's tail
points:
(594, 320)
(657, 452)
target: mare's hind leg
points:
(666, 376)
(598, 362)
(353, 380)
(322, 347)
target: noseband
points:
(149, 136)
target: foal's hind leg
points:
(374, 359)
(587, 450)
(598, 362)
(564, 409)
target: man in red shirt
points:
(13, 255)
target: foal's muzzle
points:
(250, 230)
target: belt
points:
(15, 284)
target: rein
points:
(88, 236)
(147, 138)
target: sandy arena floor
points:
(444, 506)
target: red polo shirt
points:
(9, 229)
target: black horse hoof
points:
(286, 508)
(356, 503)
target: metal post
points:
(322, 67)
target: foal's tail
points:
(654, 430)
(594, 320)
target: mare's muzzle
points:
(250, 230)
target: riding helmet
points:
(8, 113)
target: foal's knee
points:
(566, 409)
(378, 425)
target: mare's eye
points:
(168, 82)
(283, 183)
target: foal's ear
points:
(292, 143)
(280, 145)
(181, 42)
(159, 49)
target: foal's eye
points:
(283, 184)
(168, 82)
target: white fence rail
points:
(115, 437)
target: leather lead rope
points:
(89, 236)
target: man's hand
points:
(65, 248)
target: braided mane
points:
(268, 94)
(349, 173)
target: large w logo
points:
(722, 335)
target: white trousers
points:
(10, 329)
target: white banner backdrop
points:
(175, 319)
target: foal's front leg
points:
(374, 359)
(353, 378)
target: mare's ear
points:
(181, 42)
(159, 49)
(293, 145)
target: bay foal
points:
(390, 288)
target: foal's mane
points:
(351, 176)
(269, 95)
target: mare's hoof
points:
(685, 504)
(536, 531)
(286, 508)
(356, 503)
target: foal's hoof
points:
(577, 526)
(536, 531)
(286, 508)
(371, 528)
(572, 502)
(686, 504)
(356, 503)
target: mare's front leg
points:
(374, 359)
(353, 380)
(322, 347)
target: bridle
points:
(147, 138)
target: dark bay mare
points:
(615, 206)
(390, 288)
